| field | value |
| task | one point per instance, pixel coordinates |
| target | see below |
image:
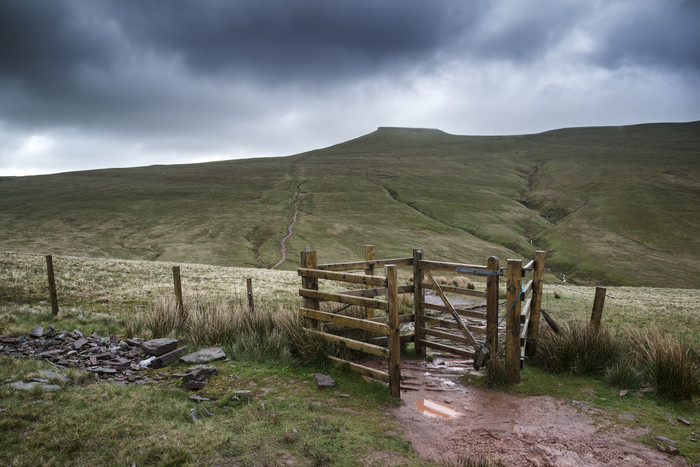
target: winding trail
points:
(290, 230)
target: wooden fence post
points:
(598, 303)
(392, 296)
(536, 308)
(309, 260)
(418, 298)
(177, 283)
(492, 307)
(251, 302)
(369, 256)
(52, 284)
(513, 307)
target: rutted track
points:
(290, 229)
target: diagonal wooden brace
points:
(449, 306)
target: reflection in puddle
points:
(435, 409)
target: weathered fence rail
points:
(389, 326)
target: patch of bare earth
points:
(518, 431)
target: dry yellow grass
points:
(121, 287)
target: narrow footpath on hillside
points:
(290, 229)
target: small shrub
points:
(624, 375)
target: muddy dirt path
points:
(518, 431)
(290, 228)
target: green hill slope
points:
(615, 205)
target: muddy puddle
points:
(435, 409)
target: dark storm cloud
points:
(277, 40)
(214, 78)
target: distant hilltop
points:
(399, 129)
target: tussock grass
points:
(627, 358)
(579, 349)
(672, 367)
(270, 334)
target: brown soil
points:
(518, 431)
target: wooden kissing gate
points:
(478, 338)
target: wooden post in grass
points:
(513, 306)
(178, 292)
(369, 256)
(492, 307)
(418, 298)
(309, 260)
(251, 302)
(52, 285)
(598, 303)
(392, 296)
(536, 308)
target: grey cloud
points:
(654, 34)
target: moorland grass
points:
(606, 207)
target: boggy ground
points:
(518, 431)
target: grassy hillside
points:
(613, 205)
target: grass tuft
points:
(577, 348)
(628, 358)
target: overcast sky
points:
(90, 84)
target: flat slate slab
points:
(204, 356)
(324, 381)
(27, 386)
(160, 346)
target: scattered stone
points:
(199, 373)
(37, 332)
(690, 438)
(211, 354)
(684, 421)
(663, 439)
(323, 381)
(160, 346)
(206, 412)
(629, 416)
(198, 399)
(293, 404)
(194, 385)
(669, 417)
(168, 358)
(581, 405)
(623, 393)
(9, 340)
(193, 414)
(77, 345)
(243, 394)
(50, 374)
(674, 451)
(27, 386)
(102, 370)
(136, 341)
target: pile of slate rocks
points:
(109, 358)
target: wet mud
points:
(518, 431)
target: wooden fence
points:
(431, 329)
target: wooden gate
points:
(431, 328)
(482, 319)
